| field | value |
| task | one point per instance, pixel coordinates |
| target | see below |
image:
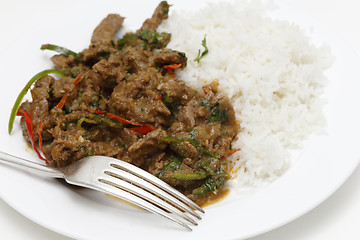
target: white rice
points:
(270, 71)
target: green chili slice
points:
(87, 120)
(24, 91)
(188, 176)
(59, 49)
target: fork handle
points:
(30, 166)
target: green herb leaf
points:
(200, 148)
(108, 121)
(204, 102)
(218, 114)
(182, 54)
(94, 103)
(193, 133)
(67, 109)
(122, 41)
(212, 184)
(172, 165)
(154, 39)
(202, 54)
(168, 99)
(164, 8)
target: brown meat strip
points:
(161, 13)
(106, 30)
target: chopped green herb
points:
(55, 163)
(143, 45)
(97, 119)
(67, 109)
(95, 95)
(200, 148)
(105, 55)
(218, 114)
(146, 35)
(172, 165)
(204, 164)
(89, 153)
(193, 133)
(108, 121)
(73, 72)
(121, 145)
(94, 103)
(127, 76)
(144, 38)
(202, 54)
(122, 41)
(82, 147)
(167, 99)
(173, 107)
(204, 102)
(74, 121)
(165, 8)
(88, 134)
(154, 39)
(212, 184)
(182, 54)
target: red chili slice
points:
(171, 66)
(233, 151)
(144, 129)
(40, 140)
(112, 116)
(141, 128)
(63, 101)
(29, 128)
(64, 98)
(77, 80)
(159, 97)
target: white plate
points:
(325, 162)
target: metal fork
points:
(122, 180)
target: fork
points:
(122, 180)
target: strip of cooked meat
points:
(161, 13)
(105, 31)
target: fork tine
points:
(155, 181)
(147, 195)
(110, 188)
(140, 182)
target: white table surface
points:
(336, 218)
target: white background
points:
(336, 218)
